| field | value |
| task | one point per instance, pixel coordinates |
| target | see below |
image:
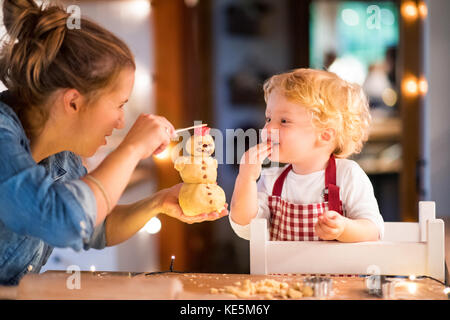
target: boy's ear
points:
(327, 135)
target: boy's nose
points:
(270, 133)
(271, 126)
(264, 134)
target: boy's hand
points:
(251, 161)
(330, 225)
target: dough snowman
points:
(200, 192)
(197, 169)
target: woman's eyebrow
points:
(125, 101)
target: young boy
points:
(314, 120)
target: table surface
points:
(125, 285)
(192, 286)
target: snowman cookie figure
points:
(200, 192)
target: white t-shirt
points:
(356, 193)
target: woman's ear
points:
(72, 101)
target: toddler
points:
(314, 121)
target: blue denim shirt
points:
(42, 205)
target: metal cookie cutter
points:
(322, 286)
(381, 287)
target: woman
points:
(66, 93)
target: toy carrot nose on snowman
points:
(176, 132)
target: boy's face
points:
(289, 128)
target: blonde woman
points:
(66, 93)
(314, 120)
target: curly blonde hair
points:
(333, 103)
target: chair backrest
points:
(407, 248)
(401, 231)
(411, 231)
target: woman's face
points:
(99, 120)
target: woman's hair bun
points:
(25, 19)
(39, 33)
(41, 55)
(19, 12)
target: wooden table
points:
(124, 285)
(190, 286)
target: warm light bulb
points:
(410, 87)
(163, 155)
(447, 290)
(412, 277)
(152, 226)
(423, 10)
(92, 268)
(409, 10)
(423, 86)
(171, 263)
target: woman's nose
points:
(120, 122)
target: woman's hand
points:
(251, 161)
(150, 134)
(170, 207)
(330, 225)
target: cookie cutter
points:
(322, 286)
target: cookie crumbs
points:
(270, 288)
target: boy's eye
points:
(283, 121)
(268, 120)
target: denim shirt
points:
(42, 205)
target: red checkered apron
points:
(295, 222)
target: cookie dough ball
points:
(197, 169)
(195, 199)
(198, 145)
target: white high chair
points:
(408, 248)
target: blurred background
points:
(207, 60)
